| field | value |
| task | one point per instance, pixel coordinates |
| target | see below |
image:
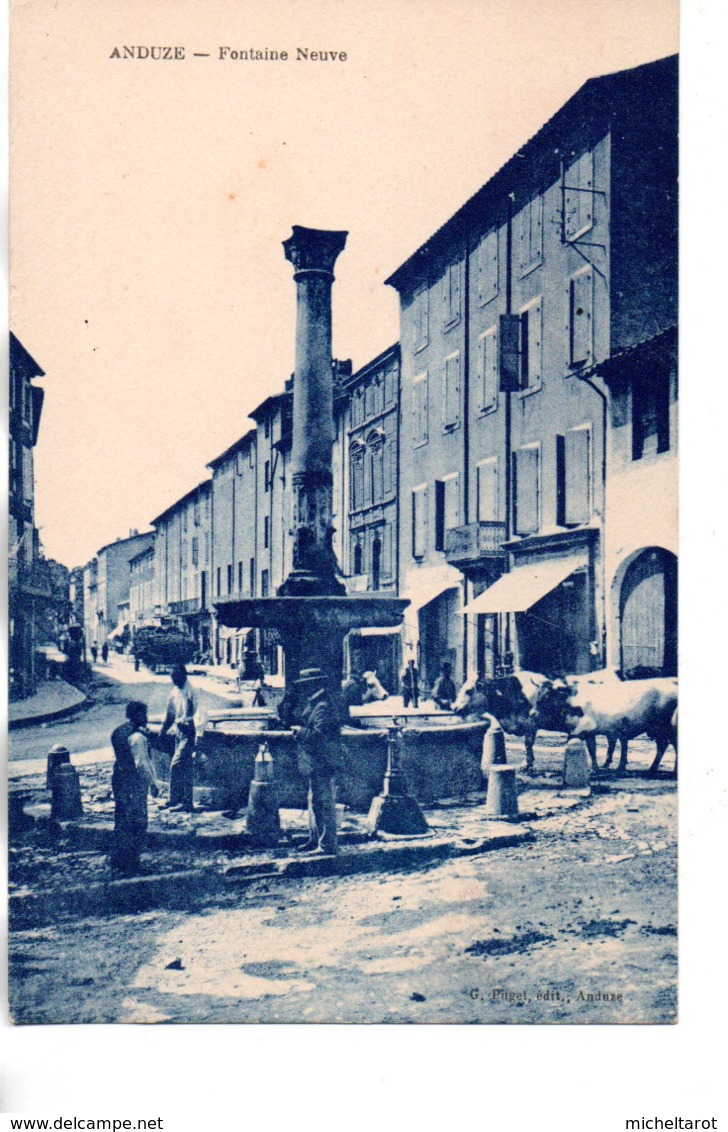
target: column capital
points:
(314, 249)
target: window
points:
(390, 388)
(266, 532)
(240, 577)
(27, 476)
(419, 409)
(579, 197)
(264, 585)
(447, 507)
(229, 578)
(452, 391)
(488, 490)
(357, 477)
(419, 521)
(573, 477)
(650, 414)
(251, 576)
(451, 294)
(197, 512)
(420, 314)
(218, 581)
(266, 476)
(376, 562)
(357, 408)
(581, 291)
(358, 558)
(530, 235)
(525, 490)
(376, 468)
(530, 345)
(240, 461)
(266, 427)
(195, 551)
(488, 370)
(488, 268)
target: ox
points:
(618, 710)
(375, 690)
(512, 700)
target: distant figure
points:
(180, 723)
(94, 652)
(132, 779)
(319, 758)
(410, 685)
(105, 652)
(444, 691)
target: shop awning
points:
(117, 632)
(424, 585)
(524, 586)
(226, 632)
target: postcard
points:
(343, 512)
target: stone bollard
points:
(576, 766)
(502, 801)
(57, 756)
(66, 802)
(494, 747)
(262, 820)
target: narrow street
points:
(112, 686)
(519, 935)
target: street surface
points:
(587, 909)
(113, 685)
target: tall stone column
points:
(313, 253)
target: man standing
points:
(319, 758)
(180, 723)
(410, 685)
(132, 778)
(444, 690)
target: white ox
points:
(618, 710)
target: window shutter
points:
(419, 408)
(488, 369)
(452, 502)
(577, 476)
(560, 482)
(581, 304)
(452, 391)
(439, 514)
(419, 522)
(527, 491)
(509, 358)
(534, 343)
(488, 491)
(387, 470)
(488, 268)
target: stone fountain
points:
(312, 611)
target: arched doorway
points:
(648, 615)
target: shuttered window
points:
(488, 268)
(488, 490)
(419, 522)
(420, 319)
(488, 369)
(581, 320)
(530, 345)
(579, 197)
(357, 479)
(530, 235)
(452, 391)
(27, 475)
(573, 477)
(388, 453)
(419, 409)
(525, 491)
(451, 294)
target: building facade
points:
(182, 555)
(28, 584)
(566, 257)
(106, 587)
(143, 609)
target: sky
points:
(149, 201)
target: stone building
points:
(28, 584)
(106, 586)
(182, 564)
(143, 609)
(561, 261)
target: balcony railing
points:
(474, 541)
(182, 608)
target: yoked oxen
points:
(618, 710)
(512, 700)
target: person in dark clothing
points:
(319, 758)
(104, 652)
(132, 779)
(444, 690)
(410, 685)
(94, 652)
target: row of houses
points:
(509, 465)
